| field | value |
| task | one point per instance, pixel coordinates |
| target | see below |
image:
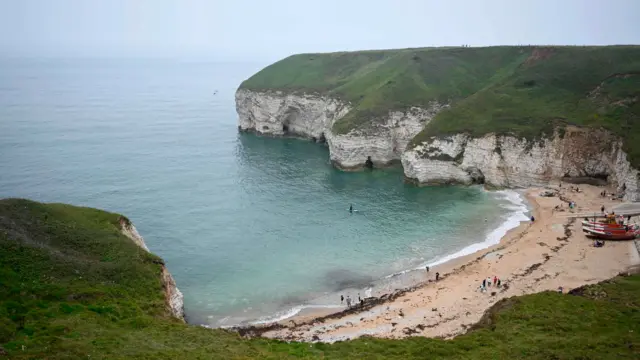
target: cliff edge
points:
(445, 113)
(173, 296)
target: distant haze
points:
(268, 30)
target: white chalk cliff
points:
(173, 296)
(507, 161)
(312, 116)
(498, 160)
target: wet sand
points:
(543, 255)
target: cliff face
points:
(312, 116)
(278, 113)
(507, 161)
(173, 296)
(371, 104)
(580, 154)
(383, 141)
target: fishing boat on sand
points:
(630, 233)
(611, 228)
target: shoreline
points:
(304, 313)
(373, 319)
(519, 205)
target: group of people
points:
(350, 302)
(486, 283)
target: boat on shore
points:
(611, 228)
(613, 234)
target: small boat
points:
(628, 233)
(605, 230)
(599, 226)
(601, 222)
(609, 222)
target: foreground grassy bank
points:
(526, 91)
(72, 286)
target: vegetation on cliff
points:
(521, 90)
(72, 286)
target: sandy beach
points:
(549, 253)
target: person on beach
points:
(348, 301)
(484, 282)
(499, 282)
(602, 209)
(427, 268)
(359, 299)
(532, 218)
(437, 276)
(495, 280)
(341, 299)
(489, 281)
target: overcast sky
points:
(272, 29)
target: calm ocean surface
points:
(251, 228)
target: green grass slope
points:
(71, 287)
(525, 91)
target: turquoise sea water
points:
(251, 228)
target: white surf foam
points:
(493, 238)
(283, 315)
(518, 210)
(515, 217)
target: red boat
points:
(629, 233)
(601, 223)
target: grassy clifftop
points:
(71, 287)
(525, 91)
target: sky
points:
(272, 29)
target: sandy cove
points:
(549, 253)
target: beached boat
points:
(629, 233)
(610, 222)
(605, 230)
(602, 226)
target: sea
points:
(253, 229)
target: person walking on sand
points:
(602, 209)
(437, 276)
(341, 299)
(489, 281)
(484, 283)
(495, 280)
(348, 301)
(499, 282)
